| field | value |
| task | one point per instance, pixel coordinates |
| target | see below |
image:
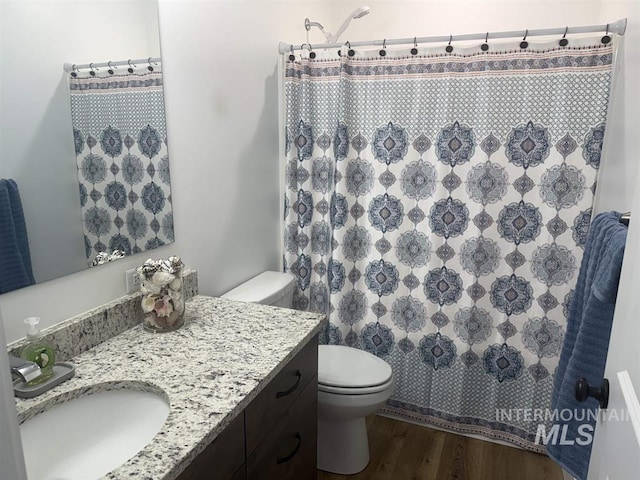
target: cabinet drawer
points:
(265, 410)
(222, 458)
(289, 452)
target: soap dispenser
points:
(38, 351)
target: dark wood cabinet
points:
(289, 449)
(275, 437)
(222, 458)
(279, 395)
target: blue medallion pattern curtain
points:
(123, 166)
(436, 210)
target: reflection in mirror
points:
(37, 148)
(120, 140)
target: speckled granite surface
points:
(85, 331)
(210, 370)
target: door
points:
(11, 457)
(616, 448)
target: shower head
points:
(360, 12)
(357, 13)
(331, 38)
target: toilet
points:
(268, 288)
(352, 383)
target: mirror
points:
(38, 148)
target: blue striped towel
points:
(15, 259)
(586, 343)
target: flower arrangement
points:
(104, 257)
(162, 300)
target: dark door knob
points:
(601, 393)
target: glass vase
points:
(163, 303)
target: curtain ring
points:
(485, 46)
(563, 41)
(110, 68)
(130, 69)
(524, 43)
(308, 47)
(312, 54)
(606, 39)
(292, 57)
(449, 47)
(74, 74)
(383, 51)
(149, 67)
(351, 52)
(92, 72)
(414, 50)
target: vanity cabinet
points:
(223, 458)
(275, 437)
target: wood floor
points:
(404, 451)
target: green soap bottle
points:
(38, 351)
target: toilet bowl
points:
(352, 383)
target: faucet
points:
(24, 369)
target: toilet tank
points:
(268, 288)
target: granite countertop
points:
(210, 370)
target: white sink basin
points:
(89, 436)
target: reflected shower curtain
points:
(436, 210)
(120, 142)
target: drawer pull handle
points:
(285, 459)
(295, 385)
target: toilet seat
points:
(350, 371)
(356, 390)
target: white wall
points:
(619, 174)
(409, 18)
(222, 116)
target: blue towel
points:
(15, 259)
(586, 343)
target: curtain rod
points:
(618, 27)
(68, 67)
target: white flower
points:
(176, 284)
(149, 288)
(148, 303)
(162, 278)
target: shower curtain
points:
(436, 209)
(120, 142)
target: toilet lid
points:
(341, 366)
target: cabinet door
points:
(267, 408)
(289, 451)
(222, 458)
(241, 474)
